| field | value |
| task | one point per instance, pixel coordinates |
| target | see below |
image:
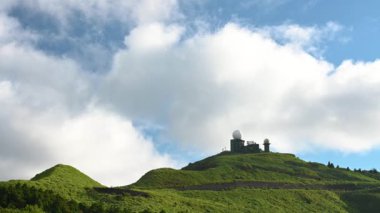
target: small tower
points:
(237, 144)
(266, 145)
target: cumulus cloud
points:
(49, 115)
(208, 85)
(139, 11)
(152, 36)
(197, 88)
(100, 143)
(306, 38)
(11, 31)
(87, 32)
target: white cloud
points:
(5, 90)
(43, 81)
(307, 38)
(98, 142)
(153, 36)
(198, 89)
(6, 4)
(138, 11)
(147, 11)
(48, 115)
(11, 31)
(88, 32)
(208, 85)
(106, 146)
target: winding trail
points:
(247, 184)
(278, 185)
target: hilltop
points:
(66, 175)
(270, 167)
(67, 181)
(226, 182)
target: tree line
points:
(21, 196)
(373, 171)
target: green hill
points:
(64, 180)
(270, 167)
(262, 182)
(64, 175)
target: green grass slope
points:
(64, 180)
(291, 185)
(269, 167)
(66, 175)
(235, 200)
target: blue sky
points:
(119, 88)
(360, 20)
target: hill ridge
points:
(65, 174)
(50, 171)
(231, 167)
(225, 182)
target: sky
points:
(117, 88)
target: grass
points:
(161, 187)
(250, 167)
(64, 180)
(363, 201)
(236, 200)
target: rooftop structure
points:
(238, 145)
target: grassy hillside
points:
(64, 175)
(263, 182)
(235, 200)
(273, 167)
(64, 180)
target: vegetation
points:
(263, 182)
(66, 181)
(20, 196)
(227, 167)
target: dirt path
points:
(121, 191)
(276, 185)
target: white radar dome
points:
(236, 135)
